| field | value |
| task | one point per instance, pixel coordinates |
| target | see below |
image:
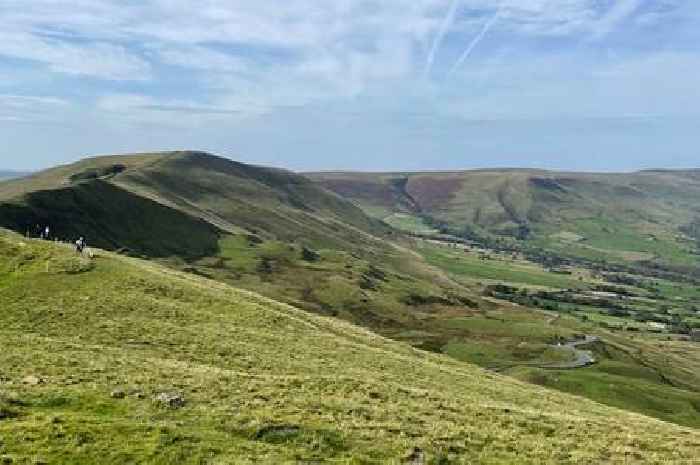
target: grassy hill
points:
(649, 216)
(230, 196)
(117, 360)
(280, 235)
(263, 229)
(615, 255)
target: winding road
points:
(583, 358)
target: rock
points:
(32, 380)
(170, 400)
(416, 457)
(6, 460)
(135, 392)
(117, 394)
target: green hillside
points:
(282, 236)
(262, 229)
(649, 216)
(559, 254)
(116, 360)
(230, 196)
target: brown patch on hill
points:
(378, 193)
(433, 192)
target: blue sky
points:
(354, 84)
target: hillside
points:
(280, 235)
(116, 360)
(263, 229)
(649, 216)
(92, 198)
(560, 255)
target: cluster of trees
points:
(566, 301)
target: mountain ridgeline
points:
(648, 216)
(177, 204)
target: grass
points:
(621, 386)
(338, 283)
(262, 382)
(628, 241)
(247, 227)
(409, 223)
(469, 265)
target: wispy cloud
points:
(440, 35)
(621, 10)
(475, 41)
(94, 59)
(219, 65)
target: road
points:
(583, 358)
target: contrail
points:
(474, 43)
(440, 36)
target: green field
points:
(471, 266)
(409, 223)
(117, 360)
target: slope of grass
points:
(239, 224)
(471, 266)
(89, 346)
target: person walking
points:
(80, 245)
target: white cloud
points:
(440, 35)
(136, 109)
(31, 108)
(199, 58)
(244, 57)
(95, 59)
(621, 10)
(93, 38)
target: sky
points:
(599, 85)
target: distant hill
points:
(12, 174)
(117, 360)
(643, 216)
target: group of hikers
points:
(44, 233)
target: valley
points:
(578, 298)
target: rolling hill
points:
(116, 360)
(648, 216)
(187, 187)
(282, 235)
(263, 229)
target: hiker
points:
(47, 232)
(80, 245)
